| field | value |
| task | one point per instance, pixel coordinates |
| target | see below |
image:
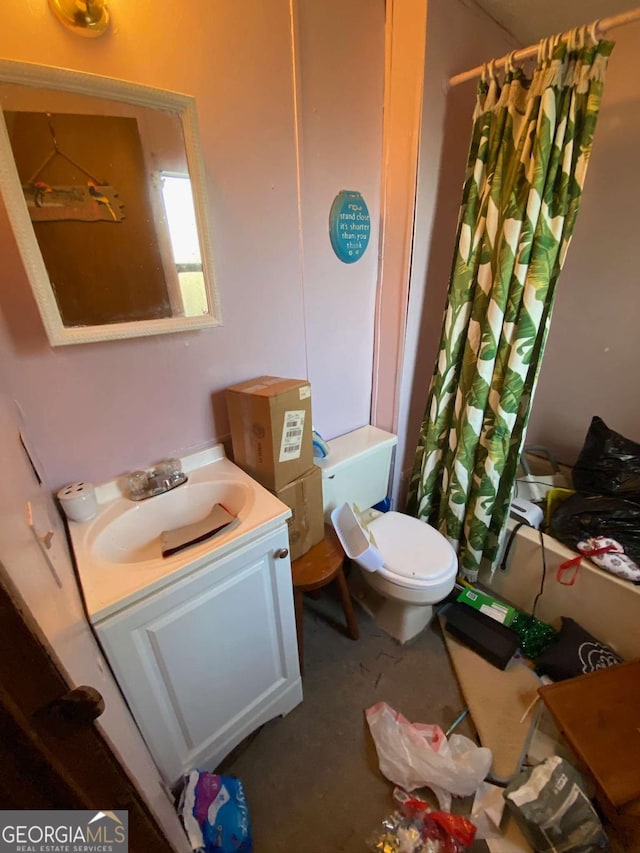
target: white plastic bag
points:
(417, 755)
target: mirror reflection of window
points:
(180, 216)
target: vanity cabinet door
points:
(209, 659)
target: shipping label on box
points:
(304, 498)
(270, 421)
(292, 433)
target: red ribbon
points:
(575, 561)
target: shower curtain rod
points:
(602, 26)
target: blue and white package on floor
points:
(215, 815)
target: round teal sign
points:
(349, 226)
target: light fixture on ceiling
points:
(89, 18)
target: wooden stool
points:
(319, 566)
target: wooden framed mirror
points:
(104, 187)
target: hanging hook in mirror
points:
(58, 153)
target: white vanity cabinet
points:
(207, 659)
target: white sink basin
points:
(119, 555)
(133, 535)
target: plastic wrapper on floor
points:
(418, 755)
(415, 828)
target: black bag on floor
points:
(581, 517)
(608, 464)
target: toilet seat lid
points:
(415, 554)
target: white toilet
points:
(406, 565)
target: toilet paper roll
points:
(78, 500)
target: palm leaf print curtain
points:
(529, 152)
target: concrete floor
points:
(311, 778)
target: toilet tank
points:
(357, 469)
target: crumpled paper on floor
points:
(487, 811)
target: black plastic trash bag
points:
(581, 517)
(608, 464)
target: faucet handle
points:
(137, 482)
(168, 469)
(165, 475)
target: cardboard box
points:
(306, 525)
(488, 605)
(270, 421)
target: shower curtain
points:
(529, 153)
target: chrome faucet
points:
(163, 477)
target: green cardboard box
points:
(502, 613)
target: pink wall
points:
(341, 89)
(592, 361)
(96, 410)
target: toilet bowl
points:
(407, 567)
